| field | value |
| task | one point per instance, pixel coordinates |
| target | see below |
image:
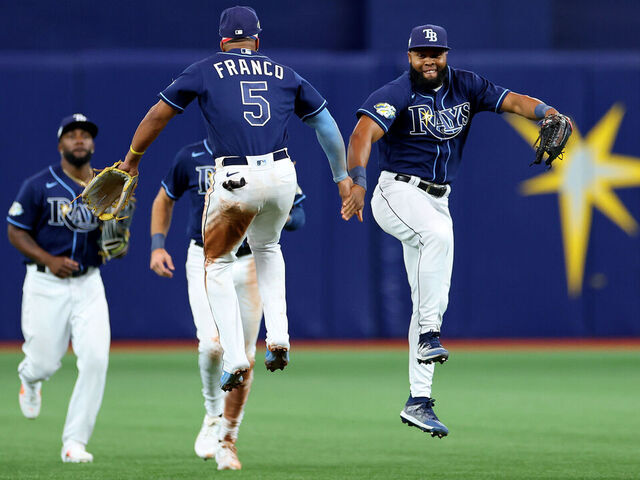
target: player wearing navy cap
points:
(421, 120)
(63, 295)
(246, 100)
(191, 174)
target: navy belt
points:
(242, 251)
(242, 160)
(78, 273)
(431, 188)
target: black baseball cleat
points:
(276, 358)
(418, 412)
(430, 350)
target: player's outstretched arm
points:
(366, 133)
(148, 130)
(526, 106)
(161, 212)
(331, 142)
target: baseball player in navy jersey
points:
(422, 119)
(63, 296)
(190, 174)
(246, 100)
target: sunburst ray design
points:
(585, 179)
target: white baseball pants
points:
(209, 349)
(55, 310)
(258, 210)
(423, 224)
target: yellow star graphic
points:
(584, 180)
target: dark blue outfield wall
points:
(347, 280)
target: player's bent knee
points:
(213, 350)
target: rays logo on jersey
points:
(16, 209)
(205, 177)
(442, 124)
(76, 217)
(386, 110)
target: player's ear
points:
(257, 44)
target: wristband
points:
(359, 176)
(134, 152)
(540, 110)
(157, 241)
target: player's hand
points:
(130, 167)
(161, 263)
(354, 205)
(344, 188)
(62, 267)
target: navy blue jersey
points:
(246, 100)
(191, 173)
(425, 132)
(43, 207)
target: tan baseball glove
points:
(109, 192)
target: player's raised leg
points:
(91, 336)
(225, 221)
(263, 236)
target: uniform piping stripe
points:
(70, 190)
(419, 236)
(448, 144)
(369, 114)
(435, 163)
(501, 99)
(18, 224)
(315, 112)
(207, 148)
(299, 200)
(170, 102)
(168, 192)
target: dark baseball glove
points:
(114, 240)
(555, 131)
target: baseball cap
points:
(77, 120)
(433, 36)
(239, 22)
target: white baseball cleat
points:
(30, 399)
(227, 456)
(206, 444)
(75, 453)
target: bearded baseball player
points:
(246, 100)
(63, 296)
(190, 174)
(422, 119)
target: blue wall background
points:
(345, 280)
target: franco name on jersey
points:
(241, 66)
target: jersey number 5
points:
(257, 117)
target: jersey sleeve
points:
(308, 101)
(487, 97)
(384, 104)
(176, 181)
(26, 210)
(183, 89)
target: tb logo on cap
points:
(430, 34)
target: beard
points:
(75, 160)
(421, 83)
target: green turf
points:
(334, 415)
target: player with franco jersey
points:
(191, 174)
(63, 296)
(421, 121)
(246, 100)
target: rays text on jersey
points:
(442, 124)
(242, 66)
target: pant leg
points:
(420, 375)
(45, 324)
(263, 236)
(227, 215)
(209, 349)
(90, 337)
(423, 222)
